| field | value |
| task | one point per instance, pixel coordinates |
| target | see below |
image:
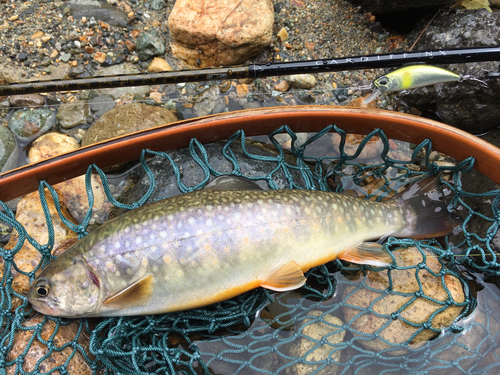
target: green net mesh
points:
(339, 322)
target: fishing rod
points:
(455, 56)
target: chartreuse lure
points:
(413, 76)
(210, 245)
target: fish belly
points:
(206, 247)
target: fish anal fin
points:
(138, 293)
(370, 253)
(288, 277)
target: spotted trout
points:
(210, 245)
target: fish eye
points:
(42, 290)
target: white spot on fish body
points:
(144, 262)
(191, 220)
(199, 232)
(289, 210)
(170, 217)
(334, 206)
(153, 248)
(127, 230)
(127, 243)
(155, 268)
(117, 245)
(138, 240)
(209, 222)
(179, 225)
(163, 234)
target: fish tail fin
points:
(425, 218)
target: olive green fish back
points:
(310, 331)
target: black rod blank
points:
(456, 56)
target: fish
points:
(210, 245)
(410, 77)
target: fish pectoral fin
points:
(288, 277)
(137, 294)
(370, 253)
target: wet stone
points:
(157, 5)
(101, 104)
(373, 292)
(76, 71)
(116, 93)
(126, 119)
(28, 100)
(28, 124)
(208, 100)
(8, 152)
(98, 10)
(4, 108)
(191, 173)
(467, 105)
(65, 56)
(35, 349)
(306, 346)
(73, 114)
(303, 81)
(148, 45)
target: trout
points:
(210, 245)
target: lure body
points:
(412, 76)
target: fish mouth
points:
(42, 308)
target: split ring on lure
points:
(412, 76)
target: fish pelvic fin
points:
(288, 277)
(138, 293)
(425, 218)
(370, 253)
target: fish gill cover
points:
(296, 332)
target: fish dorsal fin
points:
(232, 183)
(138, 293)
(288, 277)
(370, 253)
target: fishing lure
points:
(413, 76)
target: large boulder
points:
(467, 105)
(390, 6)
(214, 32)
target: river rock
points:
(28, 100)
(72, 192)
(8, 149)
(191, 173)
(481, 329)
(101, 104)
(149, 44)
(31, 216)
(303, 81)
(210, 32)
(467, 105)
(385, 302)
(207, 101)
(27, 124)
(73, 114)
(384, 6)
(37, 350)
(117, 92)
(318, 331)
(99, 10)
(4, 108)
(125, 119)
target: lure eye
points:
(383, 81)
(42, 290)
